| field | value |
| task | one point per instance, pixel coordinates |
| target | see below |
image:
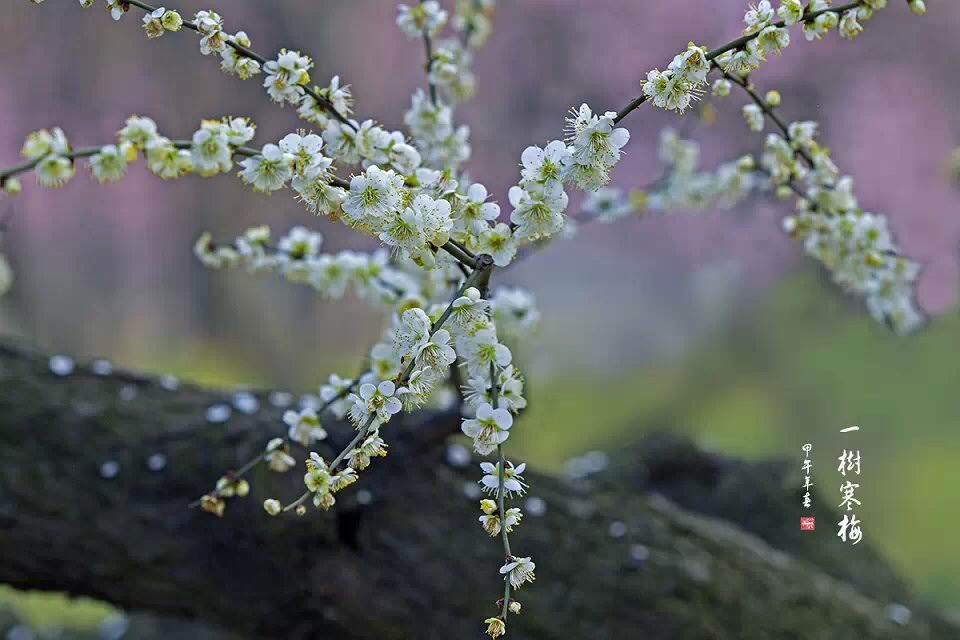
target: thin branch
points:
(86, 152)
(500, 499)
(233, 476)
(253, 55)
(767, 109)
(428, 46)
(737, 44)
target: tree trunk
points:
(411, 561)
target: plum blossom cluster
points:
(297, 257)
(592, 148)
(683, 185)
(442, 235)
(856, 246)
(766, 32)
(688, 187)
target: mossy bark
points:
(410, 562)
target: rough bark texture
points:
(409, 563)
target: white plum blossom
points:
(171, 20)
(474, 213)
(372, 446)
(481, 350)
(758, 16)
(339, 96)
(791, 11)
(450, 69)
(754, 117)
(405, 230)
(336, 388)
(670, 90)
(374, 194)
(692, 65)
(341, 141)
(277, 457)
(537, 213)
(491, 521)
(510, 390)
(437, 353)
(152, 23)
(210, 26)
(490, 428)
(435, 214)
(43, 142)
(849, 26)
(595, 143)
(721, 88)
(771, 40)
(822, 24)
(210, 152)
(607, 204)
(284, 77)
(117, 8)
(238, 131)
(515, 311)
(110, 164)
(267, 171)
(304, 426)
(305, 151)
(236, 64)
(512, 478)
(54, 170)
(138, 131)
(518, 571)
(374, 402)
(498, 242)
(425, 119)
(165, 160)
(300, 243)
(545, 166)
(424, 18)
(413, 333)
(469, 310)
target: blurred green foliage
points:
(808, 364)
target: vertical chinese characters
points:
(807, 483)
(849, 527)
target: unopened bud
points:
(271, 506)
(11, 185)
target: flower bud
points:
(746, 163)
(300, 510)
(773, 98)
(919, 7)
(721, 88)
(271, 506)
(242, 487)
(11, 185)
